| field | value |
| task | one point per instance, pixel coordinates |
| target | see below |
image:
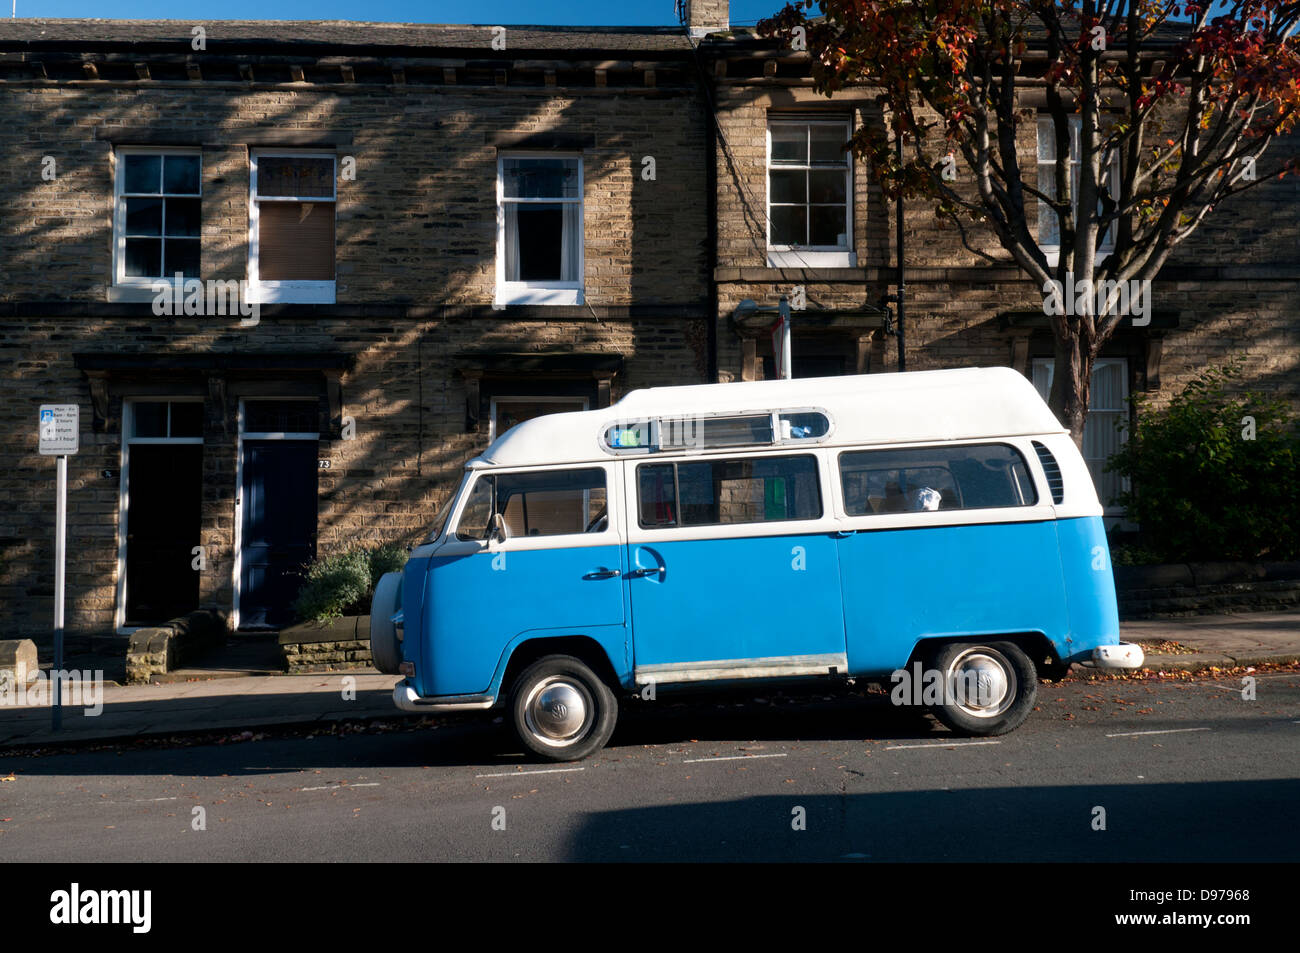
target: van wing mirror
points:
(500, 531)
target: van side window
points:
(934, 478)
(547, 503)
(712, 492)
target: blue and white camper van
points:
(836, 528)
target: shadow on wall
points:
(439, 255)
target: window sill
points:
(512, 294)
(291, 292)
(791, 258)
(1053, 254)
(143, 294)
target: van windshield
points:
(440, 521)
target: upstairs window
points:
(539, 229)
(809, 189)
(156, 225)
(291, 228)
(1049, 223)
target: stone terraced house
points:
(296, 274)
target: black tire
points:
(543, 699)
(989, 708)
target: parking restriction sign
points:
(59, 428)
(58, 431)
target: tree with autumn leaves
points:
(1164, 109)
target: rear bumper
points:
(1125, 655)
(404, 697)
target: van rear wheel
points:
(561, 710)
(988, 688)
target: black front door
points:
(278, 536)
(164, 487)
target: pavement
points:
(239, 704)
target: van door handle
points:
(639, 573)
(844, 533)
(602, 573)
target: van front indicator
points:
(407, 669)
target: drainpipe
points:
(711, 230)
(902, 278)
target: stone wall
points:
(1181, 590)
(416, 262)
(333, 646)
(416, 269)
(1232, 286)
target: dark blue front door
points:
(278, 498)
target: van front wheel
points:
(988, 689)
(561, 710)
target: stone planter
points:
(156, 650)
(327, 646)
(1188, 589)
(18, 665)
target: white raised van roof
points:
(975, 403)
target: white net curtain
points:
(1107, 409)
(543, 219)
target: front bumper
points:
(404, 697)
(1125, 655)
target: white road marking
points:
(949, 744)
(734, 757)
(516, 774)
(1215, 686)
(330, 787)
(1165, 731)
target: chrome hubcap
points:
(557, 710)
(981, 682)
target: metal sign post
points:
(59, 432)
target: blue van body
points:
(1047, 585)
(839, 585)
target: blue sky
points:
(572, 12)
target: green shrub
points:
(342, 584)
(1128, 554)
(1204, 486)
(389, 558)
